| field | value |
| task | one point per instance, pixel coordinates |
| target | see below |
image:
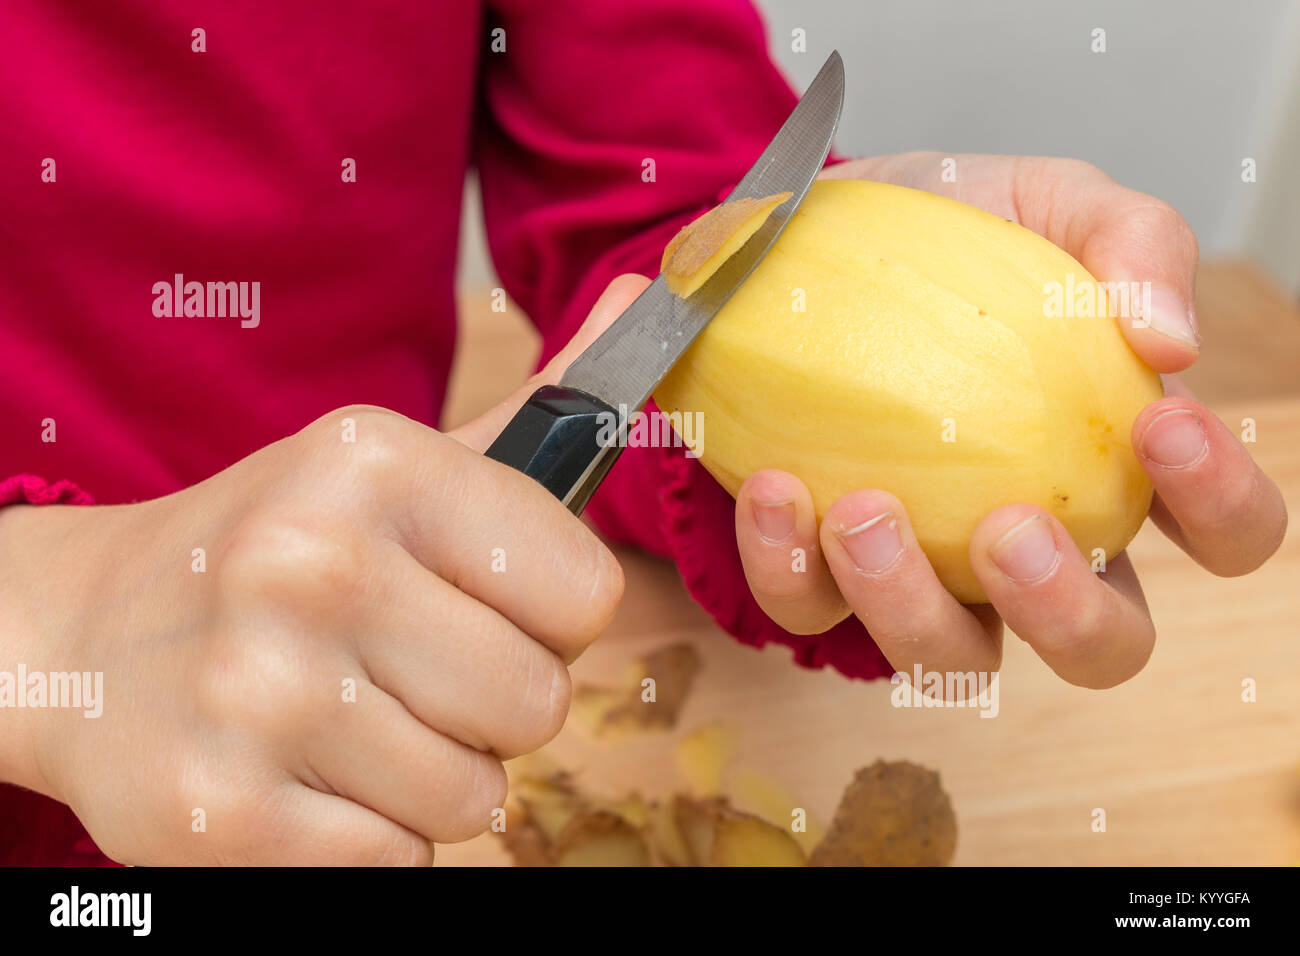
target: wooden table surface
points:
(1186, 771)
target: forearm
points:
(23, 653)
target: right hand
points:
(326, 562)
(1093, 629)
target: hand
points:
(327, 561)
(1211, 499)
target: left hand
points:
(1211, 499)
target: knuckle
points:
(1271, 540)
(1220, 544)
(587, 586)
(292, 563)
(240, 821)
(367, 441)
(1076, 638)
(256, 684)
(1045, 175)
(1238, 492)
(254, 828)
(545, 706)
(1108, 660)
(490, 785)
(560, 698)
(809, 611)
(400, 849)
(332, 423)
(926, 625)
(781, 584)
(929, 624)
(242, 839)
(808, 625)
(1157, 225)
(483, 791)
(1076, 170)
(607, 584)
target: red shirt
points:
(227, 165)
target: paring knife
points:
(567, 436)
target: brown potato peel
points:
(701, 247)
(892, 814)
(549, 823)
(623, 710)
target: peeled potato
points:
(896, 339)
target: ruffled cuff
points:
(34, 490)
(699, 526)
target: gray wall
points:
(1185, 90)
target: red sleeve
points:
(584, 94)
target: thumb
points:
(618, 295)
(1147, 248)
(1124, 237)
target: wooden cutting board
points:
(1186, 772)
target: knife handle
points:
(565, 439)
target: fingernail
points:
(1170, 315)
(1028, 551)
(873, 545)
(1175, 439)
(775, 520)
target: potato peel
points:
(601, 838)
(626, 710)
(701, 247)
(743, 840)
(550, 823)
(892, 814)
(767, 800)
(703, 756)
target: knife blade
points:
(568, 436)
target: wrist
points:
(27, 653)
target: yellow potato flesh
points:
(922, 363)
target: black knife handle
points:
(566, 439)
